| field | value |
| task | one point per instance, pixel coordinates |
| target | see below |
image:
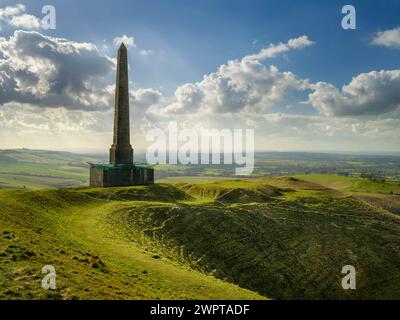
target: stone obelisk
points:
(121, 151)
(121, 171)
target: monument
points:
(121, 171)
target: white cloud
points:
(248, 86)
(17, 17)
(27, 117)
(64, 89)
(388, 38)
(61, 87)
(53, 72)
(188, 98)
(377, 128)
(145, 98)
(274, 49)
(128, 41)
(11, 11)
(244, 85)
(26, 21)
(373, 93)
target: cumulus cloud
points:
(244, 85)
(388, 38)
(128, 41)
(248, 86)
(61, 87)
(25, 21)
(27, 117)
(53, 72)
(145, 98)
(274, 49)
(188, 98)
(11, 11)
(55, 85)
(373, 93)
(17, 17)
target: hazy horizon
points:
(143, 151)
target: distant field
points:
(384, 195)
(352, 184)
(36, 169)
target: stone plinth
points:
(108, 175)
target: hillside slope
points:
(282, 238)
(67, 229)
(280, 242)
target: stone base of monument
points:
(120, 175)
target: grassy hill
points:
(68, 229)
(282, 238)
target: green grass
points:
(231, 191)
(282, 238)
(67, 229)
(381, 195)
(351, 184)
(291, 247)
(191, 179)
(41, 169)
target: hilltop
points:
(281, 238)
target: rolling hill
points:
(281, 238)
(36, 169)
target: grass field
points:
(68, 229)
(281, 238)
(37, 169)
(348, 184)
(384, 195)
(191, 179)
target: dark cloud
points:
(53, 72)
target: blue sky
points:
(198, 36)
(186, 40)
